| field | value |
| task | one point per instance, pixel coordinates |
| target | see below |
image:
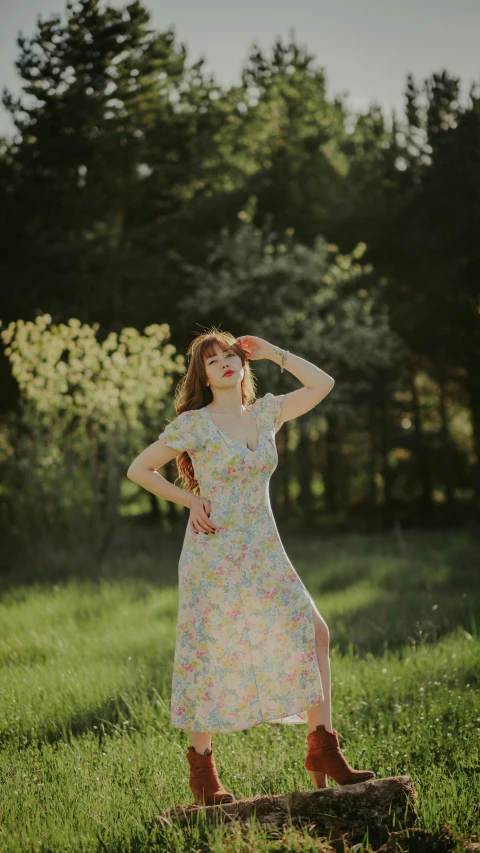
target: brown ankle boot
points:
(204, 782)
(325, 758)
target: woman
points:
(251, 645)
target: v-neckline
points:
(225, 432)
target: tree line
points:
(136, 190)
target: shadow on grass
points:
(375, 591)
(139, 553)
(141, 708)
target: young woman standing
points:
(251, 646)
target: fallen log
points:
(379, 804)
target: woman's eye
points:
(229, 355)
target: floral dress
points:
(245, 637)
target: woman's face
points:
(216, 367)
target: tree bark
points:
(305, 473)
(284, 461)
(446, 445)
(422, 463)
(331, 466)
(377, 805)
(387, 509)
(154, 514)
(473, 385)
(372, 460)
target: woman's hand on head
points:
(200, 510)
(253, 347)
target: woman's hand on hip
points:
(200, 510)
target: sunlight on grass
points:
(68, 654)
(89, 753)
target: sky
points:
(366, 47)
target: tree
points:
(423, 241)
(112, 133)
(86, 409)
(313, 301)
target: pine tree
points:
(110, 143)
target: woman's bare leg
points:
(201, 741)
(322, 713)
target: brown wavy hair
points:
(191, 391)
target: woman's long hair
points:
(192, 393)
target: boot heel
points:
(324, 750)
(318, 778)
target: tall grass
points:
(88, 755)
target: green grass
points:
(88, 755)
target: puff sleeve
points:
(271, 407)
(183, 433)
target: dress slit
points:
(300, 717)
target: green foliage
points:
(318, 302)
(87, 407)
(121, 192)
(113, 133)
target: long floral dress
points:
(245, 637)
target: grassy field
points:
(88, 754)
